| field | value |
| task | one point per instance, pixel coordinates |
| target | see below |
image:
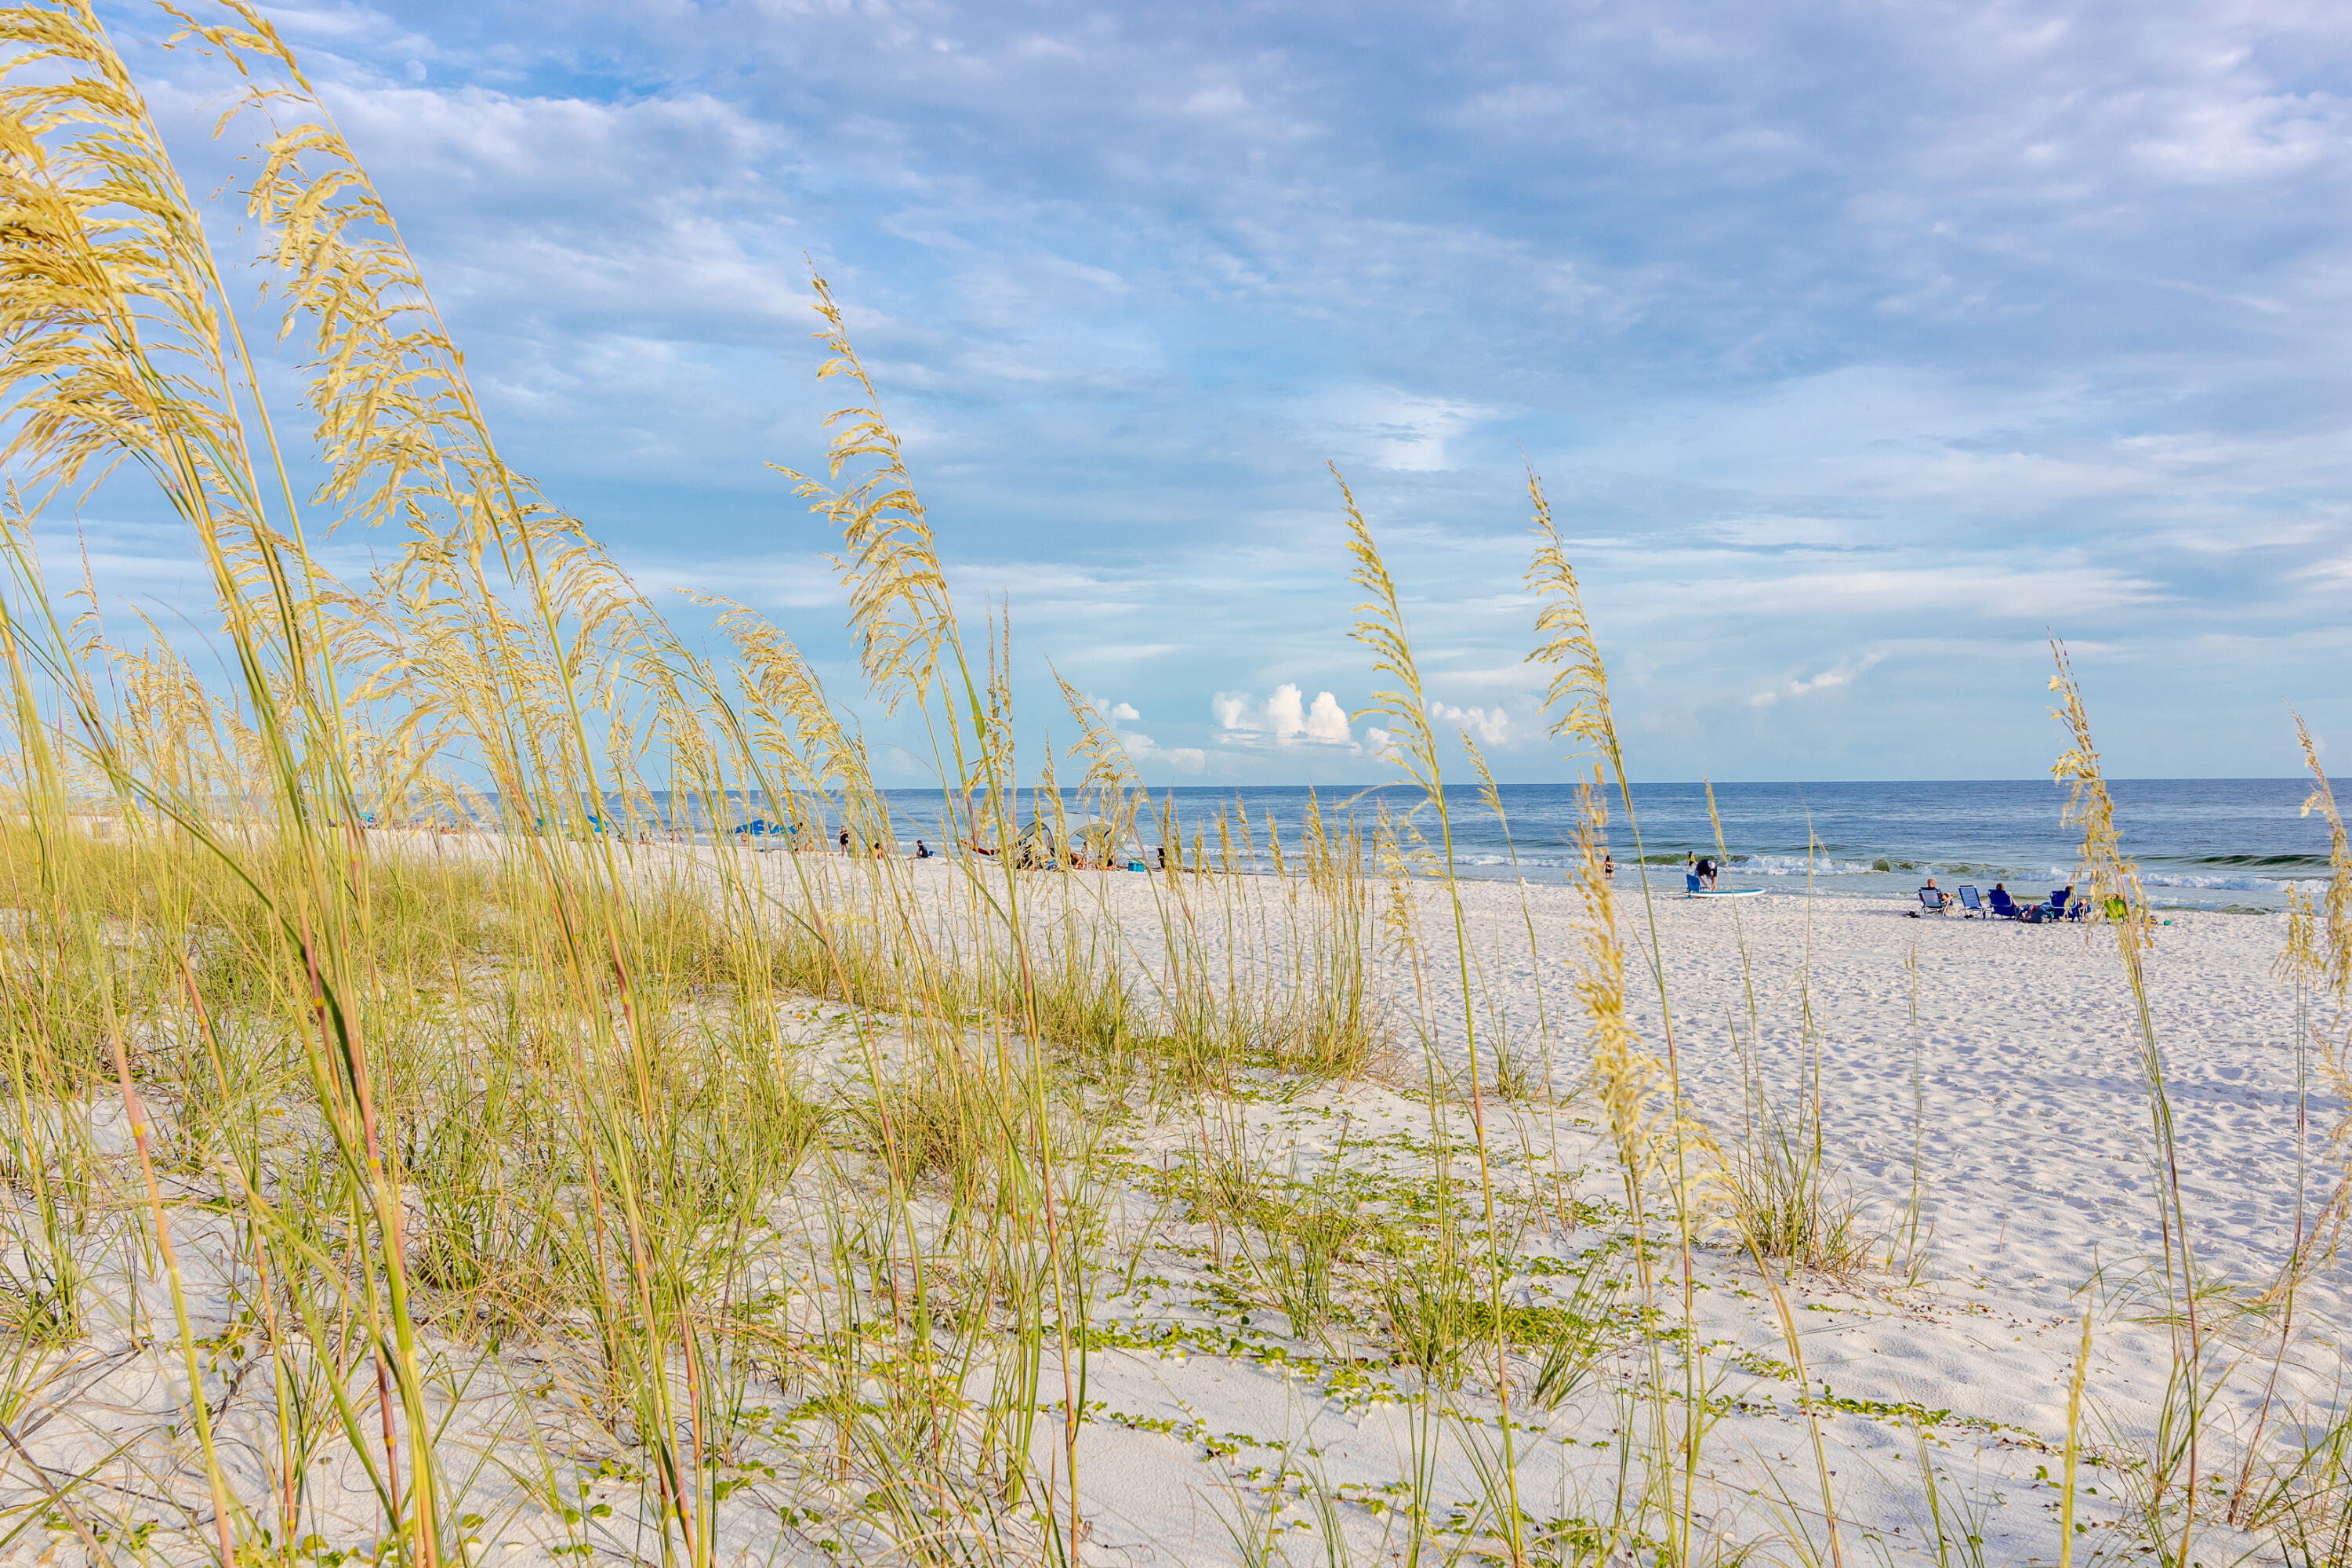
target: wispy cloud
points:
(1147, 754)
(1829, 329)
(1827, 680)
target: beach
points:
(1984, 1070)
(1967, 1098)
(484, 1082)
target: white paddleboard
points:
(1724, 893)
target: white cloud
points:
(1144, 749)
(765, 583)
(1827, 680)
(1327, 721)
(1218, 102)
(1771, 532)
(1491, 725)
(1806, 374)
(1405, 431)
(1110, 711)
(1286, 717)
(1141, 749)
(1282, 714)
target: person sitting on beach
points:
(1933, 897)
(922, 850)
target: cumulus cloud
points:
(1141, 749)
(1327, 721)
(1287, 718)
(1491, 725)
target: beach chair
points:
(1971, 906)
(2002, 906)
(1935, 900)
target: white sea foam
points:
(1797, 865)
(2237, 884)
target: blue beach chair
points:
(1971, 906)
(2003, 907)
(1935, 900)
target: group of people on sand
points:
(2061, 905)
(1079, 859)
(921, 851)
(1029, 855)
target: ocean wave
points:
(1797, 865)
(2229, 884)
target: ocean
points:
(2200, 843)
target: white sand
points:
(2021, 1085)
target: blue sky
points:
(1857, 343)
